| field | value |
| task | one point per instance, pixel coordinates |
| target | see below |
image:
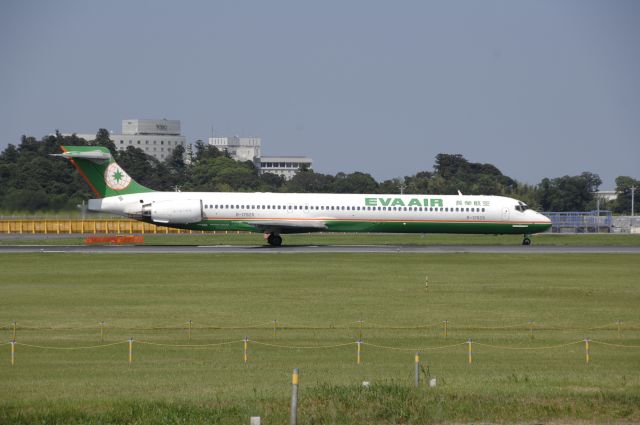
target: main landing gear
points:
(526, 240)
(274, 239)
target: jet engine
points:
(179, 211)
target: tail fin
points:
(101, 172)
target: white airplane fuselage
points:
(306, 212)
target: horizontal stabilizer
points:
(96, 156)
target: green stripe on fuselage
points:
(385, 227)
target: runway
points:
(317, 249)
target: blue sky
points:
(538, 88)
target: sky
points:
(540, 88)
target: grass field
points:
(232, 238)
(57, 301)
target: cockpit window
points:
(522, 207)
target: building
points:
(240, 148)
(156, 138)
(249, 149)
(285, 166)
(606, 195)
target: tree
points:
(569, 193)
(622, 203)
(175, 161)
(205, 152)
(391, 186)
(310, 182)
(270, 182)
(354, 183)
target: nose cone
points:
(544, 220)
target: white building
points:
(285, 166)
(240, 148)
(156, 138)
(606, 195)
(248, 149)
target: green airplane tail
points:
(101, 172)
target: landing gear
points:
(526, 240)
(274, 239)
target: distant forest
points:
(32, 181)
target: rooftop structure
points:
(249, 149)
(240, 148)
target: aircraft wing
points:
(288, 226)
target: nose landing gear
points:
(274, 239)
(526, 240)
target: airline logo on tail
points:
(116, 178)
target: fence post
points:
(294, 397)
(417, 366)
(470, 358)
(13, 352)
(130, 350)
(586, 349)
(531, 329)
(246, 343)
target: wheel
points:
(526, 241)
(274, 240)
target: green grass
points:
(57, 300)
(232, 238)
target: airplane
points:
(275, 214)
